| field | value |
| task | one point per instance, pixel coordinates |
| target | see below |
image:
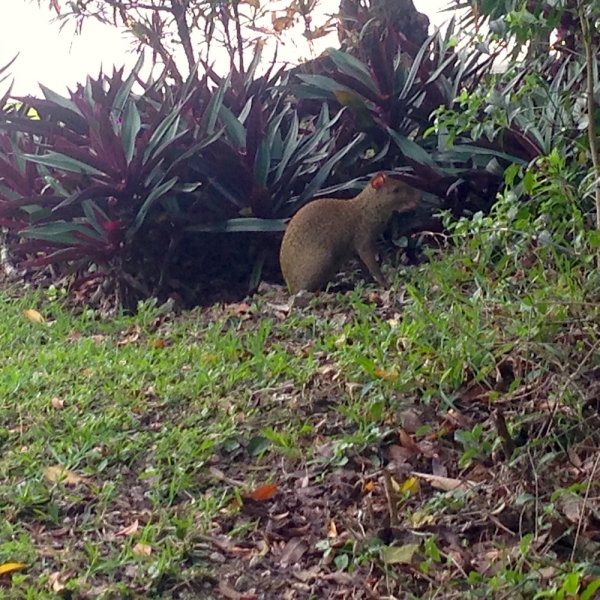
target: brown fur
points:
(327, 232)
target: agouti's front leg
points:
(368, 256)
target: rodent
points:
(325, 233)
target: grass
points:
(136, 453)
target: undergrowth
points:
(439, 440)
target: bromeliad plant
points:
(81, 175)
(392, 93)
(113, 180)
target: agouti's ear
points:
(378, 181)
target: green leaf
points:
(155, 195)
(239, 225)
(164, 132)
(132, 123)
(60, 161)
(322, 174)
(209, 119)
(325, 83)
(262, 162)
(403, 555)
(412, 150)
(258, 444)
(195, 149)
(60, 232)
(125, 90)
(60, 100)
(353, 67)
(235, 130)
(290, 145)
(91, 209)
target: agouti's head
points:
(393, 193)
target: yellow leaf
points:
(387, 375)
(394, 555)
(411, 485)
(332, 530)
(61, 474)
(34, 316)
(142, 549)
(349, 99)
(10, 567)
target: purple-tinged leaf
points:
(153, 197)
(239, 225)
(61, 232)
(132, 123)
(124, 92)
(66, 163)
(355, 68)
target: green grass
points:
(167, 422)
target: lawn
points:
(439, 440)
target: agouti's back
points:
(327, 232)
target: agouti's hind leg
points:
(368, 256)
(321, 272)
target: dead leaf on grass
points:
(572, 506)
(142, 549)
(264, 492)
(130, 530)
(10, 567)
(411, 421)
(158, 344)
(438, 469)
(231, 594)
(332, 529)
(294, 550)
(34, 316)
(54, 582)
(57, 403)
(408, 442)
(62, 475)
(447, 484)
(394, 555)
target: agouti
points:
(325, 233)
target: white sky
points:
(61, 59)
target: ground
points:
(436, 440)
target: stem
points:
(586, 30)
(238, 31)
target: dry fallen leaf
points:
(446, 484)
(230, 594)
(408, 442)
(57, 403)
(129, 530)
(142, 550)
(34, 316)
(294, 550)
(54, 582)
(264, 492)
(10, 567)
(332, 529)
(61, 474)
